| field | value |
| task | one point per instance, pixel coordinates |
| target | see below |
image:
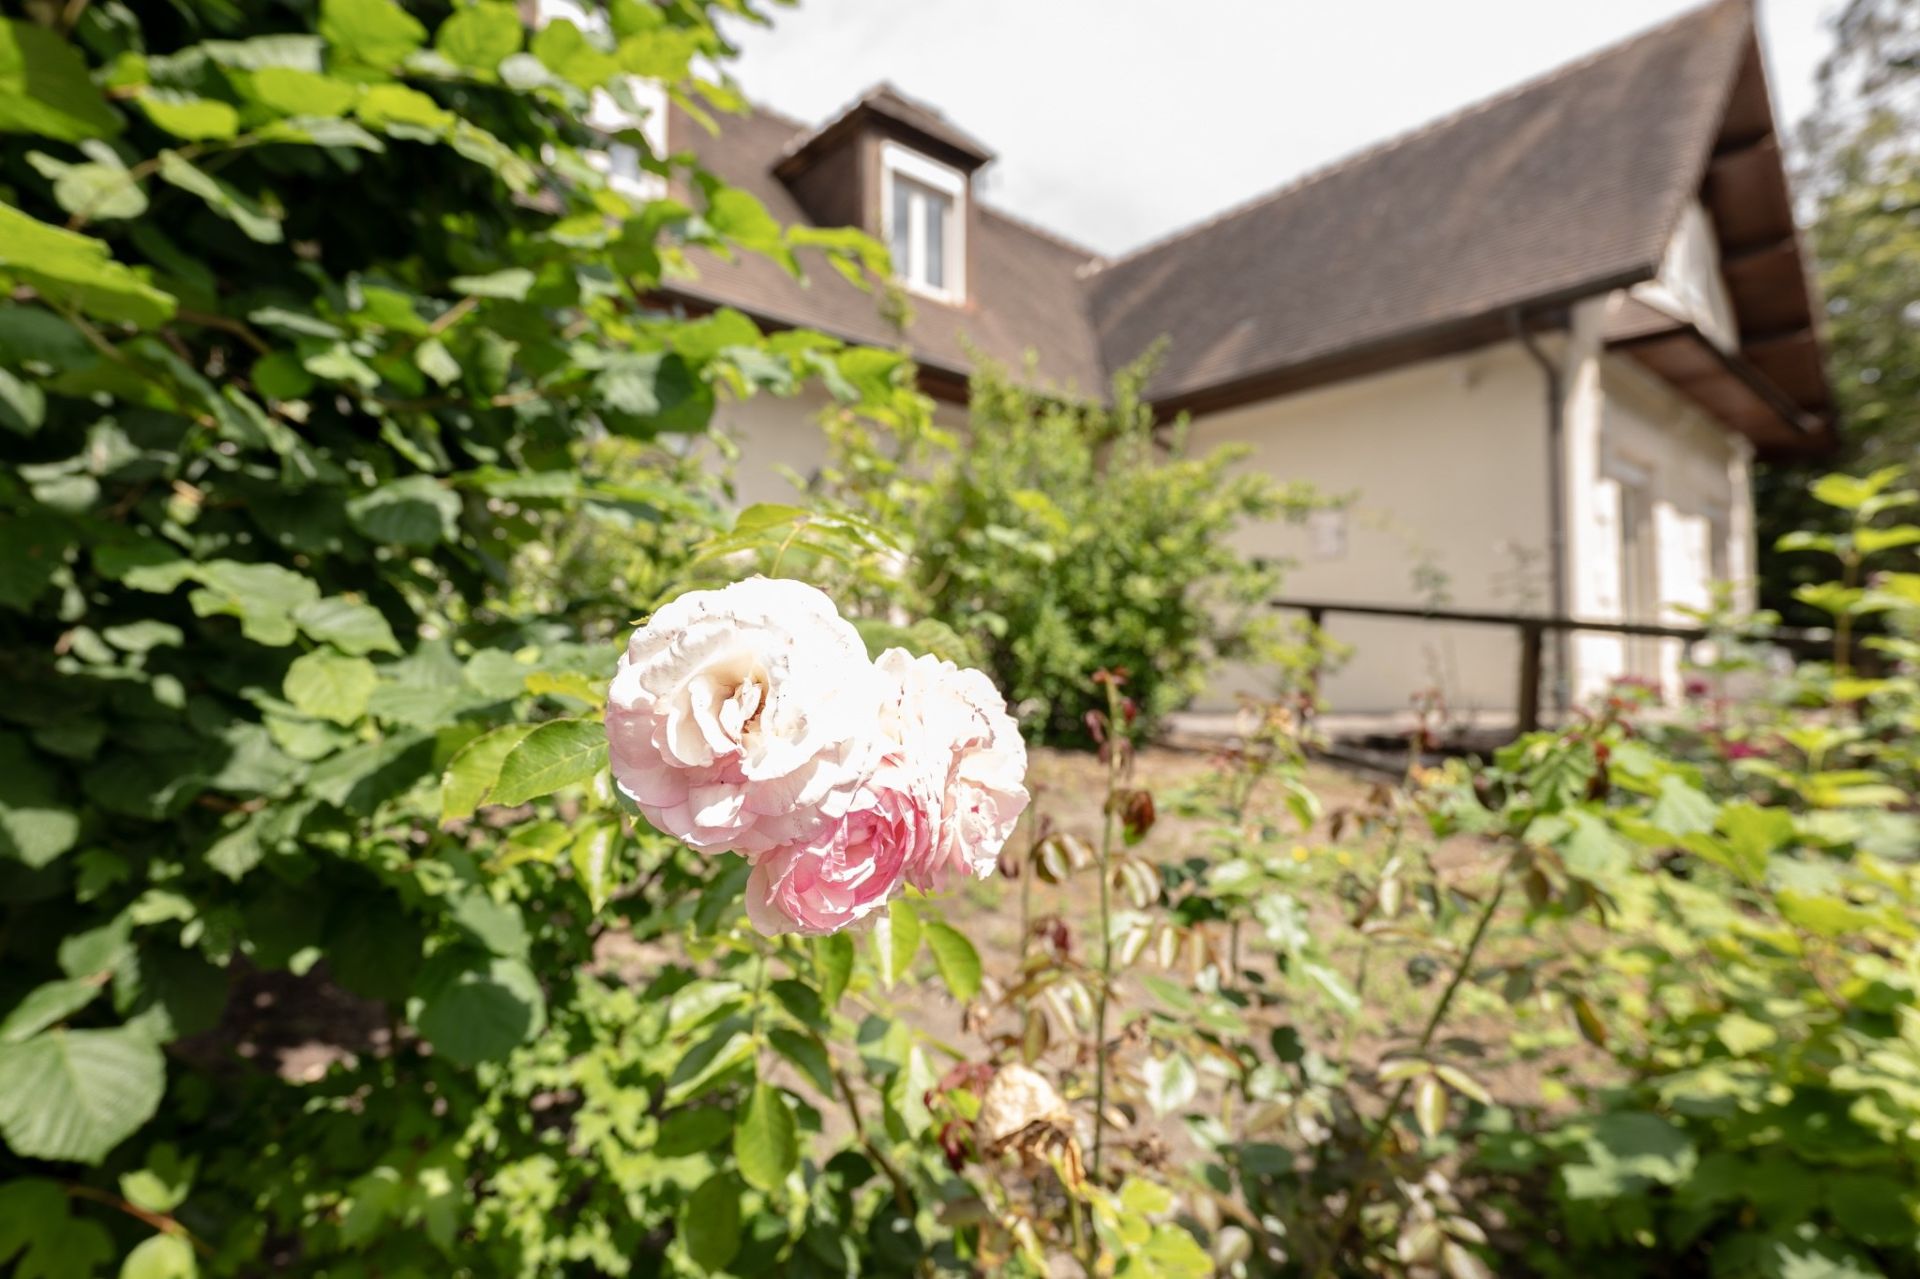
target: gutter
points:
(1556, 495)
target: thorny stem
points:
(1116, 741)
(1843, 620)
(902, 1192)
(1026, 889)
(781, 554)
(1382, 1126)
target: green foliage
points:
(1861, 169)
(1059, 539)
(341, 440)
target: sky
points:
(1116, 122)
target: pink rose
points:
(746, 718)
(951, 727)
(850, 868)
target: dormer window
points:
(924, 210)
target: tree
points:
(308, 312)
(1861, 180)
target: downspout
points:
(1556, 497)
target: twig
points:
(1351, 1213)
(159, 1221)
(1116, 741)
(226, 324)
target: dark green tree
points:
(1860, 179)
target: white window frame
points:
(946, 180)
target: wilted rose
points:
(746, 718)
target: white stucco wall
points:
(1695, 493)
(774, 435)
(1446, 463)
(1689, 285)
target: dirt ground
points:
(1398, 982)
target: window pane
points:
(900, 227)
(936, 207)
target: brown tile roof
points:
(1024, 291)
(886, 101)
(1568, 184)
(1565, 187)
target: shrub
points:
(1065, 538)
(316, 323)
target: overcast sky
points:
(1118, 121)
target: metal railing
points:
(1534, 628)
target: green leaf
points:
(834, 955)
(99, 192)
(688, 1132)
(185, 116)
(403, 112)
(36, 1222)
(1630, 1144)
(571, 56)
(595, 861)
(766, 1140)
(710, 1223)
(433, 358)
(1171, 1082)
(349, 625)
(955, 957)
(417, 511)
(474, 769)
(295, 91)
(160, 1256)
(327, 685)
(1430, 1106)
(36, 826)
(76, 1094)
(1744, 1036)
(1681, 809)
(561, 752)
(45, 89)
(511, 283)
(483, 1014)
(481, 36)
(222, 197)
(46, 1005)
(78, 271)
(263, 596)
(1754, 833)
(378, 33)
(895, 941)
(806, 1053)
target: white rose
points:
(745, 718)
(953, 724)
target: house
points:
(1540, 342)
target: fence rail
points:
(1533, 629)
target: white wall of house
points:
(1689, 285)
(1446, 465)
(775, 436)
(1687, 480)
